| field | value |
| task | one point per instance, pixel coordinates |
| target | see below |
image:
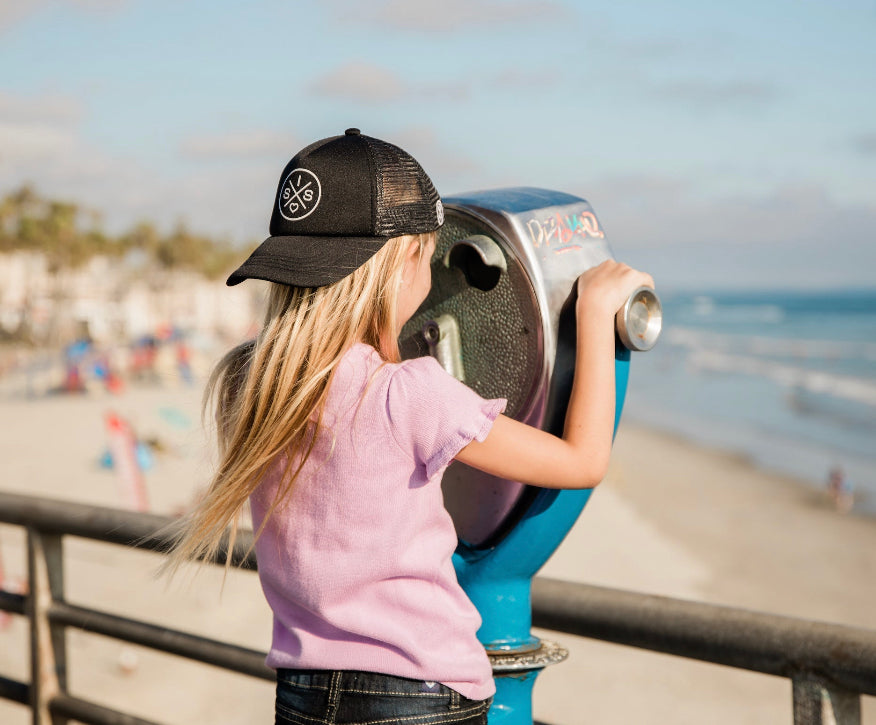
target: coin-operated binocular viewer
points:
(501, 318)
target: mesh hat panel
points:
(344, 197)
(406, 199)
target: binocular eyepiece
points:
(640, 320)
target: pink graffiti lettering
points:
(558, 232)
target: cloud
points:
(24, 143)
(710, 94)
(453, 15)
(865, 144)
(98, 6)
(790, 236)
(46, 147)
(370, 84)
(39, 108)
(366, 83)
(439, 161)
(515, 79)
(43, 145)
(14, 11)
(649, 211)
(243, 144)
(234, 205)
(36, 128)
(653, 48)
(363, 82)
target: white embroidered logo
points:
(299, 194)
(439, 210)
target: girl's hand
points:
(604, 289)
(517, 452)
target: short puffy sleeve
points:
(433, 416)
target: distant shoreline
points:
(811, 482)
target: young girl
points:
(339, 446)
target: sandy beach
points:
(693, 523)
(670, 519)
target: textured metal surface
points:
(501, 350)
(499, 329)
(556, 236)
(11, 602)
(230, 657)
(510, 333)
(640, 321)
(101, 523)
(48, 648)
(820, 703)
(547, 653)
(767, 643)
(442, 337)
(65, 706)
(14, 690)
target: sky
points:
(721, 145)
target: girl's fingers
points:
(610, 284)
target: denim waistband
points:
(362, 682)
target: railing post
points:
(819, 703)
(48, 651)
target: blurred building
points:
(111, 300)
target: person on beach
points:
(339, 446)
(841, 491)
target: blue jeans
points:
(339, 697)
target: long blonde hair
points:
(269, 392)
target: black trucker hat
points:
(338, 202)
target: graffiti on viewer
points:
(561, 233)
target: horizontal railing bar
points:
(211, 652)
(767, 643)
(114, 526)
(14, 690)
(91, 713)
(760, 642)
(15, 603)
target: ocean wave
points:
(849, 388)
(704, 306)
(769, 346)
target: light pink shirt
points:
(357, 567)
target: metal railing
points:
(46, 522)
(830, 665)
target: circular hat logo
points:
(299, 194)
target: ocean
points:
(787, 379)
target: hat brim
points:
(306, 261)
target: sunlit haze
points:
(720, 144)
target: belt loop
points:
(454, 699)
(334, 696)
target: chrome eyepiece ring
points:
(640, 320)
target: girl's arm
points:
(579, 459)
